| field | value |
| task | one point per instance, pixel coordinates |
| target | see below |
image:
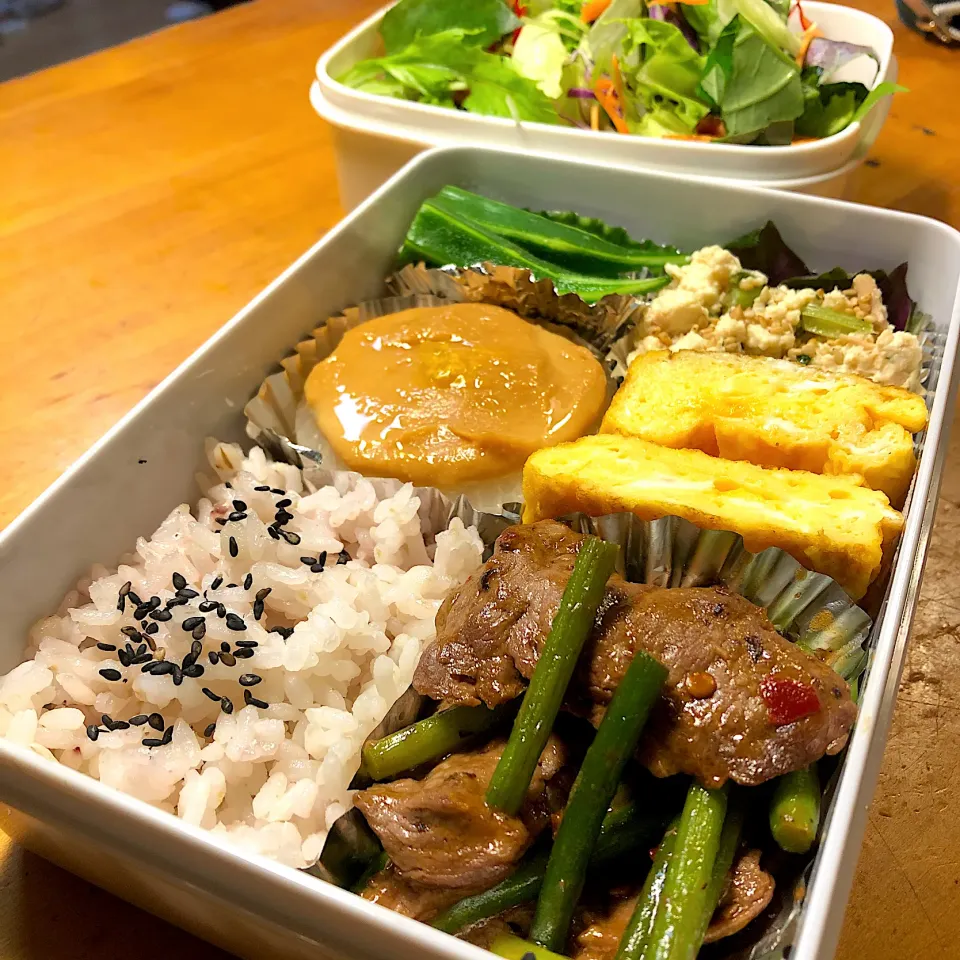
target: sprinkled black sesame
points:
(193, 670)
(168, 734)
(163, 666)
(285, 632)
(142, 611)
(196, 648)
(150, 667)
(244, 653)
(190, 623)
(226, 705)
(309, 561)
(108, 673)
(162, 615)
(121, 602)
(93, 731)
(139, 720)
(141, 658)
(209, 730)
(222, 521)
(124, 657)
(234, 549)
(176, 675)
(246, 643)
(343, 557)
(151, 628)
(228, 659)
(230, 586)
(134, 599)
(273, 532)
(316, 568)
(249, 680)
(106, 721)
(263, 593)
(292, 538)
(277, 491)
(221, 611)
(216, 583)
(251, 701)
(132, 632)
(152, 742)
(125, 589)
(284, 503)
(322, 558)
(200, 630)
(282, 517)
(176, 602)
(179, 581)
(248, 581)
(187, 593)
(236, 517)
(214, 657)
(106, 647)
(257, 609)
(263, 488)
(207, 692)
(235, 623)
(151, 643)
(239, 505)
(207, 606)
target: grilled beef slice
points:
(725, 711)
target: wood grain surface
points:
(149, 191)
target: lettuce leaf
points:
(837, 105)
(483, 22)
(497, 90)
(710, 19)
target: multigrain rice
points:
(333, 644)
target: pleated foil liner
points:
(279, 420)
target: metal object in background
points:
(939, 21)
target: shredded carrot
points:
(617, 77)
(694, 3)
(594, 115)
(607, 97)
(808, 35)
(700, 137)
(592, 9)
(805, 23)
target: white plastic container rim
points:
(429, 125)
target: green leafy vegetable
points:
(770, 24)
(710, 19)
(497, 90)
(482, 21)
(657, 253)
(765, 250)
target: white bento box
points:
(145, 465)
(374, 136)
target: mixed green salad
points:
(722, 70)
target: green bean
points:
(677, 928)
(825, 322)
(636, 936)
(729, 841)
(590, 797)
(558, 658)
(513, 948)
(428, 739)
(795, 810)
(378, 863)
(624, 830)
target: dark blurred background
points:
(39, 33)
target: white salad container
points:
(374, 136)
(126, 484)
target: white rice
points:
(272, 780)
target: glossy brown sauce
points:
(451, 394)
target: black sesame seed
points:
(316, 568)
(214, 657)
(234, 549)
(152, 742)
(125, 589)
(176, 674)
(93, 731)
(343, 557)
(228, 659)
(141, 658)
(121, 602)
(142, 611)
(190, 623)
(151, 643)
(236, 517)
(221, 611)
(248, 581)
(257, 609)
(207, 606)
(179, 581)
(251, 701)
(216, 583)
(226, 705)
(230, 586)
(154, 602)
(106, 647)
(193, 670)
(282, 517)
(285, 632)
(292, 538)
(124, 658)
(108, 673)
(151, 628)
(121, 725)
(162, 615)
(139, 720)
(224, 646)
(235, 623)
(309, 561)
(163, 666)
(322, 558)
(239, 505)
(156, 721)
(228, 485)
(222, 521)
(188, 661)
(187, 593)
(277, 491)
(263, 488)
(176, 602)
(207, 692)
(141, 650)
(134, 599)
(249, 680)
(209, 730)
(200, 631)
(149, 667)
(106, 720)
(168, 735)
(263, 593)
(284, 503)
(244, 653)
(273, 532)
(246, 643)
(131, 632)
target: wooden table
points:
(149, 191)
